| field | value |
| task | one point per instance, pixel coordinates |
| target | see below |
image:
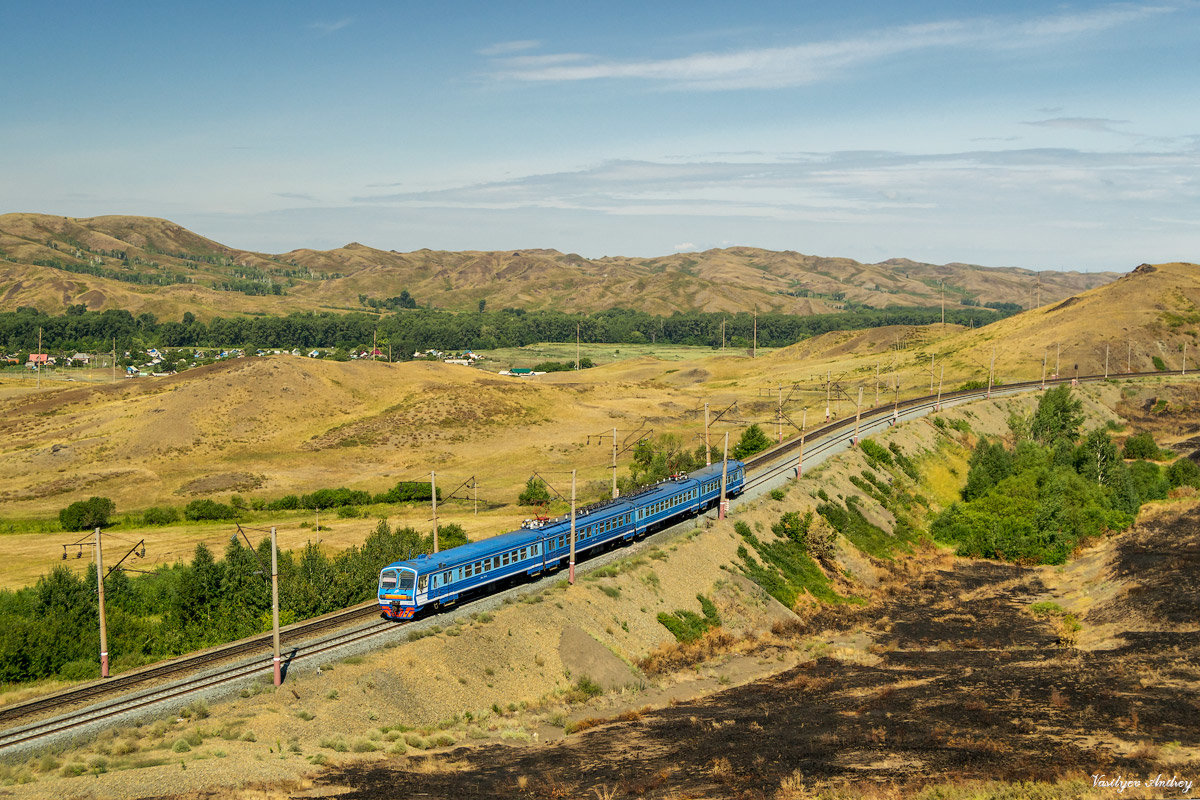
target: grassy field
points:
(533, 354)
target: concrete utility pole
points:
(938, 406)
(991, 373)
(1044, 356)
(275, 607)
(876, 385)
(754, 347)
(858, 415)
(100, 590)
(931, 360)
(800, 456)
(1106, 360)
(571, 563)
(707, 449)
(433, 499)
(779, 419)
(614, 463)
(828, 383)
(114, 360)
(896, 401)
(724, 505)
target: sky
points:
(1031, 134)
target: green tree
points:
(87, 514)
(753, 441)
(1141, 445)
(1059, 416)
(989, 465)
(535, 494)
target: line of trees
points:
(51, 629)
(422, 329)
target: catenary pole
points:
(100, 591)
(614, 463)
(858, 415)
(724, 504)
(707, 449)
(275, 606)
(433, 499)
(571, 563)
(941, 376)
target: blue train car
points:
(440, 579)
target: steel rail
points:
(767, 465)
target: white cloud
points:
(506, 48)
(1090, 124)
(813, 62)
(330, 27)
(684, 247)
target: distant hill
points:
(144, 264)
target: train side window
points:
(422, 583)
(445, 578)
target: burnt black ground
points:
(968, 685)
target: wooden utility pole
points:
(433, 499)
(707, 449)
(475, 493)
(100, 590)
(724, 504)
(571, 563)
(614, 463)
(275, 607)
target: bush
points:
(1184, 472)
(208, 509)
(535, 494)
(87, 514)
(1159, 364)
(875, 453)
(752, 441)
(289, 502)
(1140, 445)
(160, 515)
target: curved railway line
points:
(93, 704)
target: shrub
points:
(87, 514)
(875, 453)
(535, 494)
(289, 502)
(209, 509)
(753, 441)
(1159, 364)
(1184, 472)
(1140, 445)
(160, 515)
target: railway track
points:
(771, 465)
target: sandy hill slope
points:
(152, 265)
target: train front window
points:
(387, 581)
(406, 580)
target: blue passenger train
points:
(439, 579)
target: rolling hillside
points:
(152, 265)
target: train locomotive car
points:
(439, 579)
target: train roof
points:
(485, 548)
